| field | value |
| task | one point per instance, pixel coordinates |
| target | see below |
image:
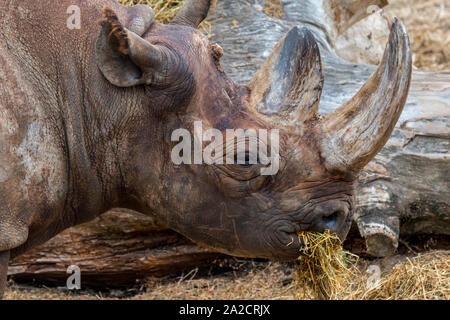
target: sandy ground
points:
(428, 24)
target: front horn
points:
(358, 130)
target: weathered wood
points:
(365, 41)
(343, 14)
(406, 188)
(4, 258)
(113, 250)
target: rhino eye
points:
(247, 160)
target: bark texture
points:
(115, 249)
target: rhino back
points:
(44, 89)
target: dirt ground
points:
(406, 276)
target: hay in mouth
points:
(324, 267)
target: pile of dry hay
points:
(326, 271)
(165, 10)
(424, 277)
(428, 25)
(324, 266)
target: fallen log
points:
(113, 250)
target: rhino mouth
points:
(283, 242)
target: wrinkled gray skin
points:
(84, 129)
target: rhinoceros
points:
(87, 116)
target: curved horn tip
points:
(398, 29)
(398, 48)
(303, 32)
(360, 128)
(307, 33)
(397, 23)
(303, 39)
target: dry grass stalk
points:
(329, 272)
(274, 8)
(428, 25)
(165, 10)
(425, 277)
(324, 267)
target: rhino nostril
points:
(331, 221)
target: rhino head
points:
(233, 208)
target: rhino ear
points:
(126, 59)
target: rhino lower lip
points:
(291, 238)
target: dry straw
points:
(428, 26)
(325, 267)
(165, 10)
(424, 277)
(326, 271)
